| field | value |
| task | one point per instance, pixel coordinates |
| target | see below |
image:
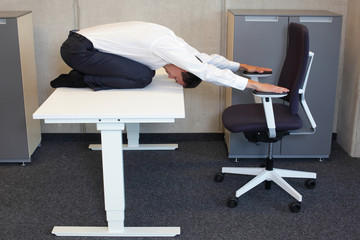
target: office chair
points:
(270, 122)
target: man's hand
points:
(261, 87)
(251, 69)
(265, 87)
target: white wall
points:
(200, 22)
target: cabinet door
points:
(260, 41)
(13, 143)
(320, 94)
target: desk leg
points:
(113, 173)
(133, 135)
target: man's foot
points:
(74, 80)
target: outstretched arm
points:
(265, 87)
(261, 87)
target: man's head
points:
(190, 80)
(181, 76)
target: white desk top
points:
(161, 101)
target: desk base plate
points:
(127, 232)
(141, 147)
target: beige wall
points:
(201, 22)
(349, 119)
(199, 25)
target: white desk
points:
(161, 101)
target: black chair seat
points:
(252, 118)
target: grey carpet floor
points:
(63, 187)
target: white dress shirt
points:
(155, 46)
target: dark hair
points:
(190, 80)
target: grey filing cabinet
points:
(19, 133)
(259, 37)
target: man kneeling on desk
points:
(126, 54)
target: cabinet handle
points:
(316, 19)
(261, 18)
(2, 21)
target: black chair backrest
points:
(293, 72)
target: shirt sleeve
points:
(215, 68)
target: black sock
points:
(59, 81)
(74, 79)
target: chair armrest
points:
(268, 109)
(256, 75)
(268, 94)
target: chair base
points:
(276, 175)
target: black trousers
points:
(103, 70)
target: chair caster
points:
(232, 203)
(310, 184)
(219, 177)
(295, 207)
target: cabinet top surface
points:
(283, 12)
(13, 14)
